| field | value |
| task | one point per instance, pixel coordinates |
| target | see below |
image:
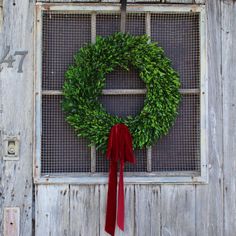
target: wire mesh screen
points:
(61, 150)
(179, 150)
(179, 36)
(64, 34)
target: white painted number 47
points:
(10, 59)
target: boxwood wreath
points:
(85, 81)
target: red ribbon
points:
(119, 149)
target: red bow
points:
(119, 149)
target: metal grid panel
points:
(107, 24)
(135, 24)
(64, 34)
(122, 79)
(123, 105)
(61, 149)
(179, 35)
(180, 149)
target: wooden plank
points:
(91, 7)
(122, 92)
(102, 215)
(180, 1)
(11, 221)
(1, 14)
(209, 199)
(65, 1)
(203, 95)
(16, 105)
(147, 210)
(228, 9)
(148, 178)
(84, 210)
(149, 159)
(93, 158)
(37, 93)
(148, 24)
(93, 27)
(129, 211)
(52, 210)
(178, 210)
(202, 209)
(200, 1)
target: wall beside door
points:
(16, 116)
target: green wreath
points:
(86, 79)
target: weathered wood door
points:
(70, 177)
(69, 204)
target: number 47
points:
(10, 60)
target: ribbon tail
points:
(111, 199)
(121, 201)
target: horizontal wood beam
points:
(124, 91)
(115, 7)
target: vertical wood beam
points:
(93, 158)
(1, 14)
(228, 11)
(209, 198)
(148, 32)
(16, 116)
(93, 40)
(149, 159)
(148, 23)
(93, 27)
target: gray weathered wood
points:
(148, 24)
(84, 210)
(228, 9)
(200, 1)
(93, 27)
(205, 203)
(179, 1)
(178, 210)
(1, 14)
(122, 91)
(184, 210)
(103, 202)
(93, 158)
(52, 210)
(147, 210)
(209, 198)
(16, 111)
(149, 159)
(129, 211)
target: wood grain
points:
(147, 210)
(129, 211)
(52, 210)
(16, 111)
(209, 198)
(177, 210)
(84, 210)
(228, 9)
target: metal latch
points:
(11, 148)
